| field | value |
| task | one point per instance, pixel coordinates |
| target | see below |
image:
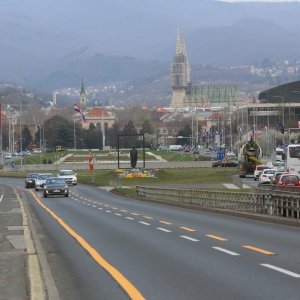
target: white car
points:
(8, 156)
(69, 176)
(266, 175)
(41, 180)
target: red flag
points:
(91, 167)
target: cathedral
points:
(185, 94)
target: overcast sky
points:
(260, 0)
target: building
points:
(82, 97)
(99, 117)
(185, 94)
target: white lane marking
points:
(189, 238)
(94, 206)
(144, 223)
(81, 197)
(163, 229)
(129, 218)
(281, 270)
(225, 251)
(100, 208)
(119, 215)
(108, 211)
(1, 198)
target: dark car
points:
(56, 186)
(30, 180)
(220, 163)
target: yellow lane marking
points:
(187, 229)
(149, 218)
(216, 237)
(135, 214)
(165, 222)
(258, 250)
(123, 210)
(128, 287)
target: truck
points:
(249, 157)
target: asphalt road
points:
(124, 247)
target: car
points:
(288, 180)
(8, 156)
(278, 164)
(55, 186)
(258, 170)
(220, 163)
(69, 176)
(41, 180)
(276, 177)
(266, 175)
(30, 180)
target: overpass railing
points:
(269, 203)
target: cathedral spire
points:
(178, 43)
(82, 92)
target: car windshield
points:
(289, 178)
(66, 173)
(55, 181)
(44, 176)
(32, 175)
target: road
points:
(102, 246)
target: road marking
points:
(163, 229)
(135, 214)
(144, 223)
(119, 215)
(231, 186)
(165, 222)
(149, 218)
(106, 205)
(129, 218)
(124, 210)
(225, 251)
(128, 287)
(108, 211)
(281, 270)
(187, 229)
(216, 237)
(189, 238)
(113, 208)
(94, 206)
(258, 250)
(100, 208)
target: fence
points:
(273, 204)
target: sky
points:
(259, 0)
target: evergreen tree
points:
(27, 138)
(129, 139)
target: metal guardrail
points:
(267, 202)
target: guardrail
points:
(268, 203)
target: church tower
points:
(83, 99)
(180, 73)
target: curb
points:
(42, 285)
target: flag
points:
(78, 109)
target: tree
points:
(186, 133)
(129, 140)
(112, 135)
(147, 128)
(27, 137)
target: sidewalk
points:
(13, 250)
(20, 263)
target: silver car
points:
(41, 180)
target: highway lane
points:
(168, 252)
